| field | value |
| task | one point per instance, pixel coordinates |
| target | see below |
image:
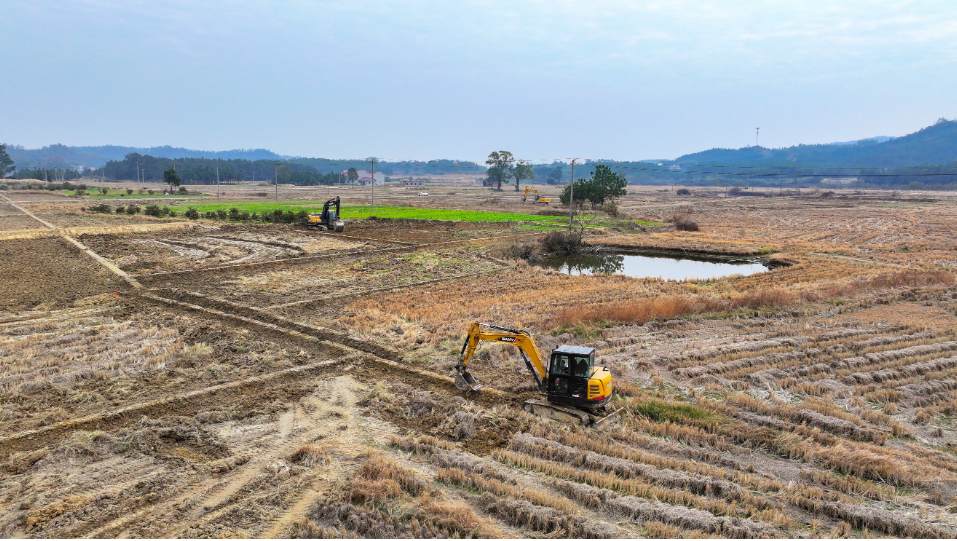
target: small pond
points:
(666, 267)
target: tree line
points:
(204, 171)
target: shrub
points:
(234, 214)
(527, 252)
(244, 216)
(120, 209)
(611, 208)
(102, 207)
(104, 191)
(152, 210)
(222, 214)
(210, 215)
(182, 189)
(151, 192)
(129, 191)
(686, 224)
(560, 242)
(310, 455)
(192, 213)
(132, 209)
(683, 191)
(80, 192)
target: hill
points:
(933, 145)
(96, 156)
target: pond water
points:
(650, 266)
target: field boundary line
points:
(862, 261)
(300, 331)
(105, 262)
(222, 308)
(48, 225)
(290, 261)
(82, 247)
(389, 289)
(73, 312)
(27, 234)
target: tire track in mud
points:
(185, 404)
(308, 420)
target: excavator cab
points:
(569, 377)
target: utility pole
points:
(372, 161)
(217, 182)
(277, 183)
(571, 198)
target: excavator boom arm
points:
(480, 332)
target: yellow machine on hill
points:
(569, 379)
(537, 196)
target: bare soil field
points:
(48, 273)
(202, 246)
(270, 381)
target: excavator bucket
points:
(464, 380)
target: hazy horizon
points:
(426, 80)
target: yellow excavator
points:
(569, 379)
(537, 196)
(328, 220)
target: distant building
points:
(365, 177)
(411, 182)
(839, 180)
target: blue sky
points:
(433, 79)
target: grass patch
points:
(358, 212)
(660, 411)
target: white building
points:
(365, 177)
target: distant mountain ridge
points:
(97, 156)
(933, 145)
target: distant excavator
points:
(570, 379)
(537, 196)
(328, 219)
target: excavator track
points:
(570, 415)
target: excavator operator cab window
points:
(561, 364)
(569, 371)
(583, 365)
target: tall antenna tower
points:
(757, 131)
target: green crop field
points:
(358, 212)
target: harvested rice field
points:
(208, 378)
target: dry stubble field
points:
(270, 381)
